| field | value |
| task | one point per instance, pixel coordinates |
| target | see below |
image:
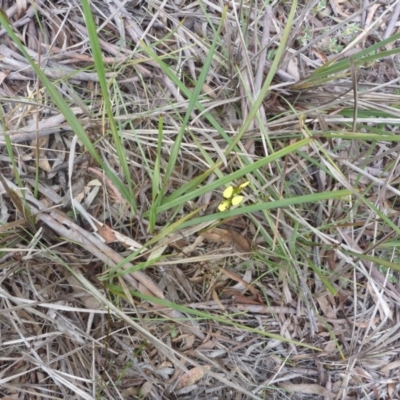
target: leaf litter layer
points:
(123, 124)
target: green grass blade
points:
(99, 65)
(193, 101)
(157, 194)
(327, 72)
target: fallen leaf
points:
(146, 389)
(242, 244)
(308, 389)
(3, 75)
(292, 69)
(238, 298)
(217, 300)
(106, 233)
(21, 7)
(191, 377)
(320, 54)
(218, 235)
(392, 365)
(248, 286)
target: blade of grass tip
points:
(192, 103)
(157, 194)
(37, 141)
(63, 107)
(327, 71)
(375, 260)
(362, 136)
(99, 65)
(119, 270)
(355, 93)
(10, 150)
(322, 277)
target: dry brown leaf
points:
(43, 160)
(209, 91)
(338, 9)
(292, 69)
(21, 7)
(242, 244)
(146, 389)
(87, 299)
(191, 377)
(106, 233)
(20, 205)
(217, 300)
(392, 365)
(114, 193)
(308, 389)
(331, 259)
(248, 286)
(330, 347)
(320, 54)
(371, 12)
(3, 75)
(391, 390)
(60, 32)
(238, 298)
(217, 235)
(210, 344)
(361, 374)
(364, 324)
(131, 391)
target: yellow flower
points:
(232, 197)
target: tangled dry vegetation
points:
(119, 277)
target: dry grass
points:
(119, 277)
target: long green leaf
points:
(98, 61)
(327, 72)
(193, 100)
